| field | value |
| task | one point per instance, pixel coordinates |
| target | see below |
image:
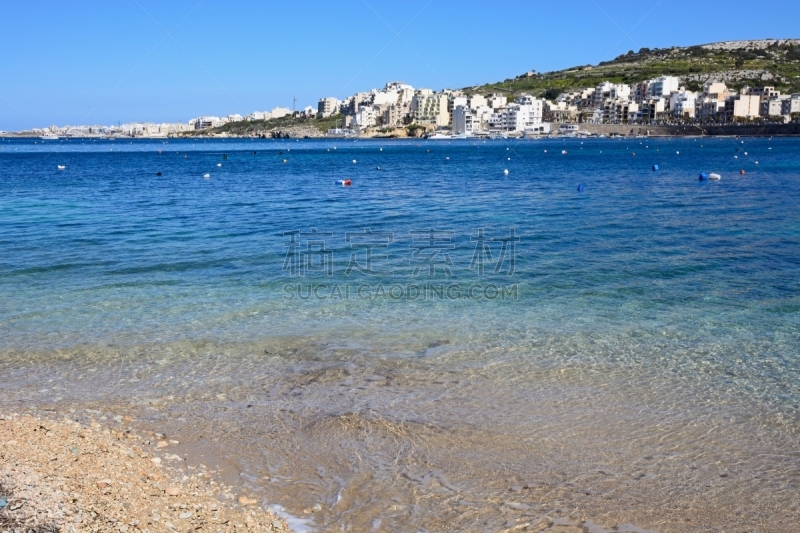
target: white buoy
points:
(563, 152)
(736, 157)
(756, 162)
(206, 176)
(545, 151)
(677, 153)
(448, 158)
(61, 167)
(354, 161)
(381, 149)
(219, 164)
(505, 171)
(714, 176)
(745, 153)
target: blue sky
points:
(93, 62)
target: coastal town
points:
(727, 83)
(458, 113)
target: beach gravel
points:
(62, 476)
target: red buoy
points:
(742, 171)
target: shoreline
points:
(71, 476)
(621, 130)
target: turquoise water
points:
(649, 308)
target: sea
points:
(419, 335)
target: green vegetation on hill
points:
(781, 61)
(259, 127)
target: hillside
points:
(773, 62)
(295, 127)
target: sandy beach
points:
(64, 476)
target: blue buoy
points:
(703, 176)
(655, 167)
(580, 188)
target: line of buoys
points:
(344, 183)
(580, 188)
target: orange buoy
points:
(345, 183)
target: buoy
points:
(254, 153)
(545, 151)
(206, 176)
(508, 158)
(354, 161)
(633, 154)
(344, 183)
(745, 153)
(381, 150)
(756, 162)
(505, 171)
(219, 164)
(677, 153)
(284, 161)
(655, 167)
(703, 176)
(563, 152)
(448, 158)
(61, 167)
(158, 173)
(742, 172)
(377, 168)
(224, 156)
(580, 188)
(714, 176)
(736, 157)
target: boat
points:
(49, 137)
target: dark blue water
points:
(645, 277)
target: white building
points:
(522, 115)
(364, 117)
(280, 112)
(663, 86)
(683, 103)
(463, 120)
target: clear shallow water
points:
(646, 369)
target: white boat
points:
(49, 137)
(440, 136)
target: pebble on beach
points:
(61, 475)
